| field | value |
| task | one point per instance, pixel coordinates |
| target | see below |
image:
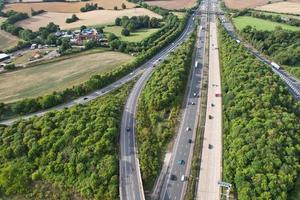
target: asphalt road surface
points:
(211, 159)
(131, 187)
(174, 185)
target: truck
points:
(275, 65)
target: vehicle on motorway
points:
(85, 98)
(188, 129)
(210, 116)
(183, 178)
(210, 146)
(275, 65)
(212, 105)
(127, 129)
(195, 94)
(173, 177)
(181, 162)
(190, 141)
(217, 94)
(193, 103)
(196, 64)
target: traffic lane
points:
(184, 146)
(170, 189)
(174, 187)
(130, 172)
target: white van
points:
(183, 178)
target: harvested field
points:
(173, 4)
(65, 7)
(241, 4)
(56, 76)
(88, 19)
(7, 40)
(282, 7)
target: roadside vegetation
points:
(261, 126)
(68, 154)
(159, 108)
(281, 45)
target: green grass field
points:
(260, 24)
(2, 20)
(180, 15)
(136, 36)
(55, 76)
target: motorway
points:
(131, 187)
(175, 183)
(98, 93)
(292, 82)
(211, 159)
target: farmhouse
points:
(4, 56)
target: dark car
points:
(181, 162)
(190, 141)
(85, 98)
(128, 129)
(210, 117)
(173, 177)
(210, 146)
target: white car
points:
(183, 178)
(188, 129)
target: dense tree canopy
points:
(159, 106)
(283, 45)
(68, 153)
(261, 126)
